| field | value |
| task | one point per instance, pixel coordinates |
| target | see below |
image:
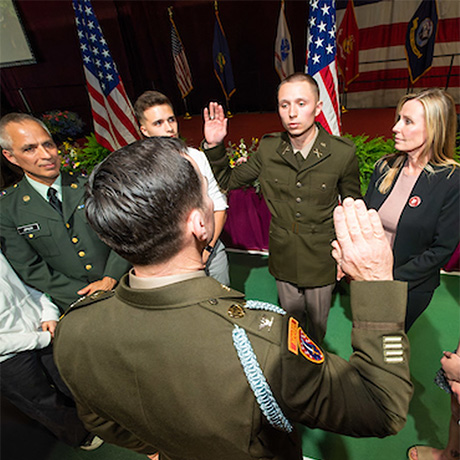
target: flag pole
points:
(187, 115)
(227, 99)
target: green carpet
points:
(436, 330)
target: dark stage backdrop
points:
(138, 35)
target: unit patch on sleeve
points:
(309, 349)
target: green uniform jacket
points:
(54, 254)
(300, 199)
(157, 370)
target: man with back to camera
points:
(156, 117)
(45, 235)
(172, 361)
(303, 172)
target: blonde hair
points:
(441, 128)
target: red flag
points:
(348, 46)
(383, 74)
(114, 122)
(183, 74)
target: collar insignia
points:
(265, 322)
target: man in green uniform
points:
(176, 363)
(303, 173)
(44, 232)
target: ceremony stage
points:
(371, 122)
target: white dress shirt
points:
(219, 199)
(22, 310)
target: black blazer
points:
(428, 229)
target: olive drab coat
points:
(170, 369)
(301, 197)
(58, 255)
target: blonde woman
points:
(416, 193)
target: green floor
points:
(438, 329)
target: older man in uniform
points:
(44, 232)
(303, 172)
(174, 362)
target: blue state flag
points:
(222, 61)
(420, 39)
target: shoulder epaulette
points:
(9, 190)
(90, 299)
(271, 135)
(345, 140)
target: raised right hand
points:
(215, 124)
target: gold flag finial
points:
(215, 5)
(170, 11)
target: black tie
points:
(54, 201)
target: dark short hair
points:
(16, 117)
(299, 77)
(139, 197)
(147, 100)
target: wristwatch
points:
(209, 248)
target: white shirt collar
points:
(153, 282)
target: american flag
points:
(320, 61)
(114, 122)
(183, 75)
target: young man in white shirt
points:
(156, 117)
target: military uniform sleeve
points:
(231, 178)
(112, 432)
(33, 269)
(368, 395)
(349, 183)
(116, 266)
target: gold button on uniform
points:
(82, 253)
(88, 267)
(67, 225)
(31, 235)
(74, 240)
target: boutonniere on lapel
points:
(415, 201)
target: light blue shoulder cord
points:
(259, 305)
(254, 374)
